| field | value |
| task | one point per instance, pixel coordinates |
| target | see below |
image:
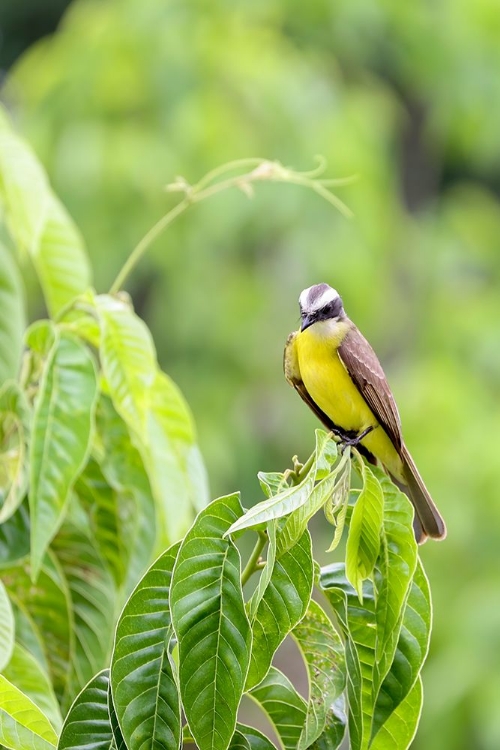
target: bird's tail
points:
(428, 520)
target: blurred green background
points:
(126, 94)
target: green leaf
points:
(49, 607)
(157, 415)
(6, 628)
(22, 725)
(39, 224)
(143, 686)
(15, 425)
(28, 635)
(12, 316)
(92, 594)
(255, 739)
(210, 622)
(15, 536)
(267, 572)
(124, 470)
(87, 725)
(62, 429)
(395, 571)
(323, 653)
(363, 542)
(291, 498)
(282, 606)
(335, 726)
(285, 708)
(296, 523)
(400, 729)
(271, 482)
(358, 625)
(410, 653)
(104, 508)
(239, 742)
(25, 672)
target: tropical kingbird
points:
(336, 372)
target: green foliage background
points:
(128, 94)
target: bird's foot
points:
(353, 442)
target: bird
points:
(335, 371)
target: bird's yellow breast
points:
(332, 389)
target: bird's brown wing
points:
(366, 372)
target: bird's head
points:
(320, 302)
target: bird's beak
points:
(307, 321)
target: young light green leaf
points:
(62, 429)
(22, 725)
(60, 258)
(39, 224)
(6, 628)
(12, 316)
(323, 653)
(15, 425)
(363, 542)
(210, 622)
(410, 653)
(394, 573)
(24, 188)
(291, 498)
(266, 574)
(92, 593)
(271, 482)
(282, 606)
(296, 523)
(400, 729)
(144, 691)
(87, 725)
(25, 672)
(285, 708)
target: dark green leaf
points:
(62, 427)
(87, 725)
(285, 708)
(15, 536)
(123, 469)
(211, 625)
(49, 607)
(92, 593)
(144, 690)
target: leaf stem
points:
(254, 560)
(260, 170)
